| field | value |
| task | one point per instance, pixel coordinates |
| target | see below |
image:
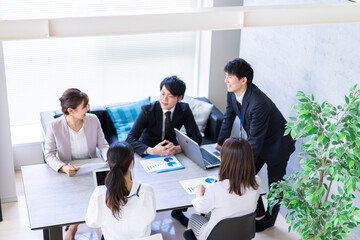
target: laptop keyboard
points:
(209, 157)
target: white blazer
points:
(57, 143)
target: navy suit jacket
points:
(147, 129)
(263, 123)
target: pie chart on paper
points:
(209, 180)
(171, 164)
(168, 159)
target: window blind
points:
(109, 69)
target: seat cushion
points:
(124, 115)
(201, 111)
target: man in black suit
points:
(263, 124)
(153, 131)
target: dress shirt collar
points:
(171, 110)
(240, 98)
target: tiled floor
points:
(15, 224)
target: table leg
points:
(46, 234)
(54, 233)
(0, 212)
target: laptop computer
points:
(99, 176)
(201, 156)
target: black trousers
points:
(275, 173)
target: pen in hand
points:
(71, 169)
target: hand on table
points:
(164, 148)
(70, 169)
(218, 147)
(171, 149)
(199, 190)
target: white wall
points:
(27, 154)
(323, 60)
(7, 174)
(216, 49)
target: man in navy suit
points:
(153, 131)
(148, 136)
(263, 124)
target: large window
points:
(109, 68)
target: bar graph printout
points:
(154, 163)
(190, 184)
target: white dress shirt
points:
(135, 217)
(78, 143)
(240, 98)
(222, 204)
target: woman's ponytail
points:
(116, 190)
(120, 155)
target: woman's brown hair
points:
(237, 165)
(119, 156)
(72, 98)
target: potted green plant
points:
(319, 198)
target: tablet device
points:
(99, 176)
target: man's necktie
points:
(240, 117)
(167, 125)
(239, 105)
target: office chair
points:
(242, 228)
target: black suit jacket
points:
(263, 123)
(147, 129)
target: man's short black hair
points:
(240, 68)
(175, 85)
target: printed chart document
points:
(190, 184)
(155, 163)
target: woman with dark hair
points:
(75, 135)
(123, 208)
(234, 194)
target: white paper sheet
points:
(190, 184)
(161, 164)
(89, 167)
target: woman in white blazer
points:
(75, 135)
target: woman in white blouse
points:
(233, 195)
(75, 135)
(123, 209)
